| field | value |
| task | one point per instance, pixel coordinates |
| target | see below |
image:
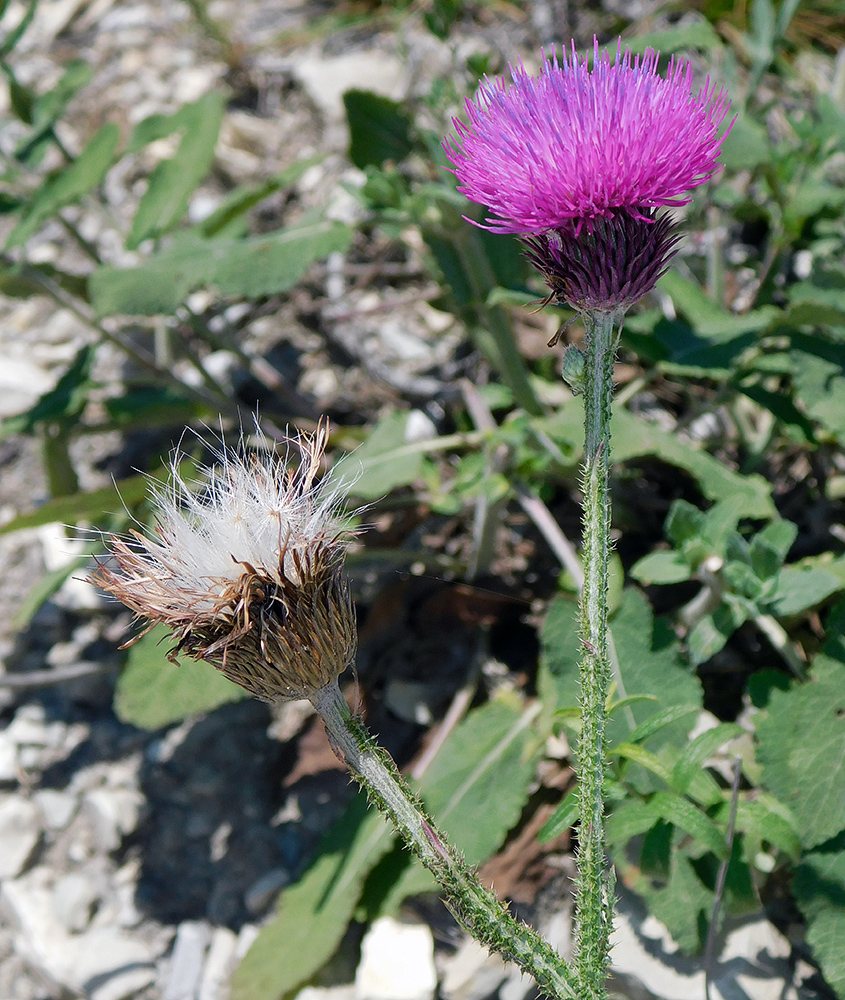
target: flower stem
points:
(595, 891)
(475, 907)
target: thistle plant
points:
(246, 571)
(579, 162)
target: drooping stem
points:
(475, 907)
(595, 891)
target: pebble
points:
(74, 899)
(218, 965)
(114, 813)
(472, 973)
(753, 964)
(57, 808)
(102, 964)
(186, 962)
(397, 962)
(20, 834)
(326, 79)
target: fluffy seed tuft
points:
(246, 570)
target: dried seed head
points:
(247, 572)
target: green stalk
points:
(475, 907)
(594, 899)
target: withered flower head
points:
(246, 570)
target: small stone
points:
(56, 807)
(8, 759)
(74, 899)
(20, 834)
(472, 973)
(218, 965)
(186, 962)
(114, 813)
(397, 962)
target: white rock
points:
(21, 383)
(114, 813)
(397, 962)
(56, 807)
(20, 834)
(753, 963)
(74, 898)
(102, 964)
(344, 992)
(472, 973)
(218, 965)
(187, 959)
(326, 79)
(8, 758)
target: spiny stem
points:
(595, 893)
(474, 906)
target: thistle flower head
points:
(245, 569)
(579, 144)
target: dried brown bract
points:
(246, 570)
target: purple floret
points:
(575, 144)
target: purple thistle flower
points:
(577, 161)
(576, 144)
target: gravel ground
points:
(136, 864)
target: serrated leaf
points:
(695, 753)
(661, 567)
(251, 268)
(67, 185)
(801, 746)
(819, 888)
(802, 587)
(313, 914)
(817, 374)
(683, 904)
(173, 181)
(379, 129)
(152, 692)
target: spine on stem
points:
(477, 909)
(594, 892)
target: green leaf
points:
(819, 888)
(695, 753)
(477, 786)
(634, 438)
(685, 816)
(383, 463)
(697, 34)
(708, 318)
(173, 181)
(801, 742)
(747, 145)
(803, 587)
(817, 374)
(639, 755)
(661, 567)
(710, 633)
(630, 819)
(67, 185)
(251, 268)
(379, 129)
(770, 547)
(152, 692)
(62, 404)
(683, 903)
(47, 108)
(564, 817)
(649, 663)
(313, 914)
(660, 720)
(81, 507)
(683, 522)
